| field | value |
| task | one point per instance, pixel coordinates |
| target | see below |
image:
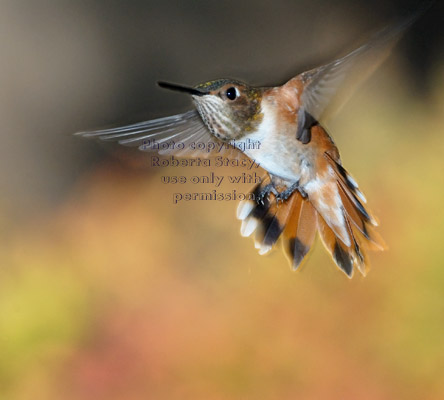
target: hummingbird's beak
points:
(181, 88)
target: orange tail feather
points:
(344, 228)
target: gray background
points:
(75, 65)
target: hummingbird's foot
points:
(266, 192)
(284, 195)
(303, 193)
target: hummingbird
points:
(306, 189)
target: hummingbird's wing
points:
(328, 87)
(181, 135)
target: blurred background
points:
(110, 291)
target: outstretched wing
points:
(328, 87)
(182, 135)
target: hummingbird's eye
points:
(231, 93)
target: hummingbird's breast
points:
(279, 152)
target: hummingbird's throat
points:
(218, 118)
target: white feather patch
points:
(248, 226)
(361, 196)
(264, 250)
(244, 209)
(329, 208)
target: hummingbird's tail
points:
(335, 210)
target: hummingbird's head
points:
(230, 109)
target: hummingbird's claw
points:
(266, 192)
(285, 194)
(279, 196)
(303, 193)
